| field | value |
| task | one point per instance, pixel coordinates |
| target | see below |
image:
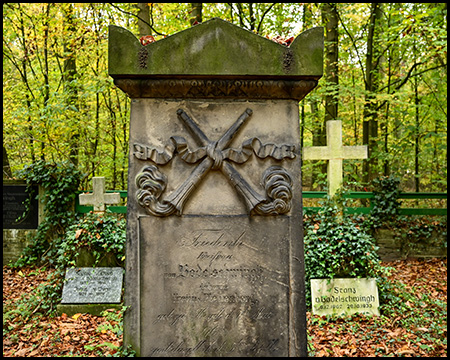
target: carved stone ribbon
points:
(178, 145)
(216, 156)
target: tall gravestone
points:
(214, 263)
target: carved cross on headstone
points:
(335, 153)
(99, 198)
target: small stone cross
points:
(335, 153)
(99, 198)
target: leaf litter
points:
(411, 333)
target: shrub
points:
(337, 246)
(100, 233)
(385, 204)
(60, 182)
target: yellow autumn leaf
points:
(21, 273)
(76, 316)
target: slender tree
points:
(196, 13)
(330, 19)
(143, 19)
(70, 80)
(371, 81)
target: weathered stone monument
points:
(214, 262)
(344, 296)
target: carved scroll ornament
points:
(214, 155)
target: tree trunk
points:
(25, 81)
(416, 138)
(46, 79)
(69, 76)
(196, 13)
(144, 19)
(7, 174)
(370, 123)
(330, 19)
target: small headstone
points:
(13, 208)
(335, 153)
(99, 198)
(93, 286)
(344, 296)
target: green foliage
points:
(421, 233)
(385, 204)
(60, 182)
(42, 300)
(45, 118)
(114, 323)
(100, 233)
(61, 235)
(337, 246)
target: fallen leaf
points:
(23, 351)
(403, 352)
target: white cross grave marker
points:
(99, 198)
(335, 153)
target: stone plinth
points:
(214, 263)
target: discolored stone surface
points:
(215, 48)
(225, 281)
(214, 263)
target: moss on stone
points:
(215, 48)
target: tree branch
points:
(136, 16)
(354, 45)
(262, 17)
(407, 77)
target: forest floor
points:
(413, 323)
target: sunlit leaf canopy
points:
(59, 102)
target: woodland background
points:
(385, 77)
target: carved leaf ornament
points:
(213, 155)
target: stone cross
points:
(99, 198)
(214, 262)
(335, 153)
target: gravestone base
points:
(389, 246)
(392, 248)
(86, 258)
(93, 309)
(14, 242)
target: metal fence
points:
(419, 200)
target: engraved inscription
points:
(218, 88)
(214, 280)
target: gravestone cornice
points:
(215, 59)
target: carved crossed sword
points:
(215, 159)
